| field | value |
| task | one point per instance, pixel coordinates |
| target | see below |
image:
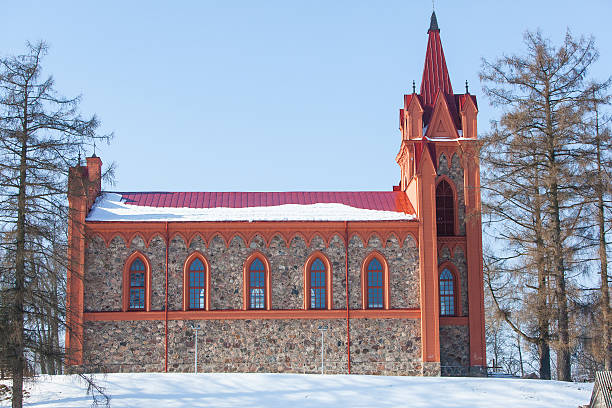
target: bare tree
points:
(42, 135)
(531, 159)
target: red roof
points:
(435, 72)
(371, 200)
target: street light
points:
(195, 357)
(322, 329)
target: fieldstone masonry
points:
(378, 346)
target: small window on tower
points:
(447, 293)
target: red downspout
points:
(348, 327)
(166, 304)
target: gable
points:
(441, 124)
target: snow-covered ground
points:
(297, 390)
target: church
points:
(370, 282)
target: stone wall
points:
(455, 350)
(123, 346)
(104, 268)
(379, 346)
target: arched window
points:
(445, 209)
(197, 284)
(375, 284)
(447, 293)
(137, 281)
(257, 285)
(318, 285)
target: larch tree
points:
(42, 133)
(532, 176)
(595, 160)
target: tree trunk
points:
(17, 331)
(603, 254)
(542, 296)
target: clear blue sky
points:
(271, 95)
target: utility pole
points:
(323, 329)
(195, 356)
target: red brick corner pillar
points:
(77, 203)
(428, 260)
(473, 232)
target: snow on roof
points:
(292, 206)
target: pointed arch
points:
(195, 236)
(180, 235)
(241, 240)
(319, 284)
(296, 237)
(278, 234)
(446, 207)
(375, 281)
(256, 282)
(137, 283)
(449, 285)
(256, 236)
(196, 279)
(214, 236)
(133, 236)
(315, 235)
(119, 235)
(375, 234)
(393, 239)
(153, 236)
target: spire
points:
(433, 25)
(435, 73)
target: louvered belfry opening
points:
(445, 209)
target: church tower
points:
(440, 173)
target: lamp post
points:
(322, 329)
(195, 357)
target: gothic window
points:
(318, 285)
(257, 285)
(374, 284)
(197, 285)
(137, 285)
(445, 209)
(447, 293)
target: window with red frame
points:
(137, 285)
(445, 209)
(197, 284)
(317, 285)
(447, 293)
(257, 285)
(375, 284)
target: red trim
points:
(348, 326)
(454, 320)
(126, 280)
(364, 279)
(328, 280)
(253, 314)
(195, 255)
(287, 230)
(246, 280)
(166, 305)
(456, 288)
